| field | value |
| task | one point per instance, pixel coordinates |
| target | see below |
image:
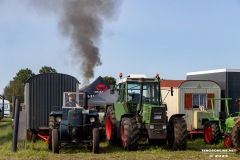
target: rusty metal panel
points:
(44, 91)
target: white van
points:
(6, 107)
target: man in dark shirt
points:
(71, 102)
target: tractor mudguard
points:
(177, 115)
(128, 115)
(56, 113)
(212, 120)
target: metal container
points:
(44, 91)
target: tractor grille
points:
(158, 115)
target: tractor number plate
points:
(157, 116)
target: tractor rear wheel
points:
(95, 140)
(236, 136)
(110, 126)
(211, 133)
(51, 127)
(55, 141)
(177, 133)
(228, 140)
(129, 133)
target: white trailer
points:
(6, 107)
(190, 98)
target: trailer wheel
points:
(129, 133)
(55, 141)
(110, 127)
(51, 127)
(211, 133)
(34, 137)
(228, 140)
(236, 136)
(95, 140)
(177, 128)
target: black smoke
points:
(83, 22)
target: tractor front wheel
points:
(236, 136)
(177, 133)
(211, 133)
(228, 141)
(55, 141)
(95, 140)
(51, 127)
(129, 134)
(110, 126)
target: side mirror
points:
(171, 91)
(112, 88)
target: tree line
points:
(16, 86)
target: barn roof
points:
(172, 83)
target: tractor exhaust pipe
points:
(85, 106)
(85, 100)
(141, 95)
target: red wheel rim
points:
(108, 128)
(227, 141)
(208, 134)
(123, 136)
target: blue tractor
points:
(74, 123)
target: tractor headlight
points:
(92, 119)
(58, 119)
(164, 127)
(151, 126)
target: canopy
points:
(104, 98)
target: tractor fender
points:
(56, 113)
(215, 121)
(177, 115)
(237, 121)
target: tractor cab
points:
(138, 92)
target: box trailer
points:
(228, 80)
(6, 106)
(42, 92)
(190, 98)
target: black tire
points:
(95, 140)
(211, 133)
(51, 127)
(228, 140)
(34, 137)
(157, 142)
(111, 127)
(130, 134)
(177, 133)
(55, 141)
(236, 136)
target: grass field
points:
(195, 150)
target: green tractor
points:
(140, 113)
(227, 126)
(74, 123)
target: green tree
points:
(110, 80)
(16, 86)
(46, 69)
